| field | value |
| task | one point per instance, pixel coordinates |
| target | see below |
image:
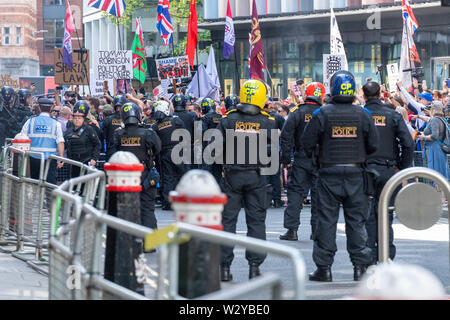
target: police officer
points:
(164, 126)
(231, 101)
(46, 136)
(82, 142)
(24, 110)
(91, 122)
(188, 118)
(210, 121)
(243, 182)
(393, 136)
(304, 172)
(9, 124)
(112, 123)
(274, 180)
(145, 145)
(345, 135)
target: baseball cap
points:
(427, 96)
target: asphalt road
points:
(428, 248)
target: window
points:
(54, 36)
(6, 36)
(53, 2)
(18, 36)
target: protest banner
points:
(173, 68)
(98, 86)
(331, 64)
(393, 76)
(7, 80)
(78, 74)
(114, 64)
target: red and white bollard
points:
(198, 200)
(21, 142)
(124, 185)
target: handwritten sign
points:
(78, 74)
(7, 80)
(115, 64)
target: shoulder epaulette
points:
(293, 109)
(267, 115)
(230, 111)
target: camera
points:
(418, 73)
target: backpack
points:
(445, 143)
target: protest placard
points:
(98, 87)
(173, 68)
(115, 64)
(393, 76)
(78, 74)
(331, 64)
(8, 80)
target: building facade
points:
(296, 34)
(18, 54)
(50, 30)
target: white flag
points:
(211, 68)
(202, 86)
(336, 44)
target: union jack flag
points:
(114, 7)
(408, 17)
(163, 22)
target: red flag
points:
(257, 63)
(192, 36)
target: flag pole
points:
(82, 52)
(198, 76)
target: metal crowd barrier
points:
(79, 245)
(24, 211)
(417, 204)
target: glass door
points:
(439, 71)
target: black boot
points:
(323, 274)
(290, 235)
(254, 271)
(225, 274)
(358, 272)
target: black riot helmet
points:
(343, 87)
(23, 94)
(8, 95)
(81, 108)
(207, 105)
(130, 113)
(231, 101)
(119, 101)
(179, 102)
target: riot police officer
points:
(9, 124)
(393, 136)
(210, 121)
(23, 110)
(304, 172)
(188, 118)
(243, 182)
(164, 126)
(81, 141)
(112, 123)
(145, 145)
(231, 101)
(345, 135)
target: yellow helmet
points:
(254, 92)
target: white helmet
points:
(162, 106)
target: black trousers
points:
(170, 175)
(275, 182)
(303, 176)
(335, 186)
(35, 165)
(385, 173)
(148, 218)
(247, 188)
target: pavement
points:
(428, 248)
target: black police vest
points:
(188, 119)
(342, 140)
(148, 122)
(164, 128)
(132, 139)
(78, 144)
(384, 122)
(115, 122)
(305, 112)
